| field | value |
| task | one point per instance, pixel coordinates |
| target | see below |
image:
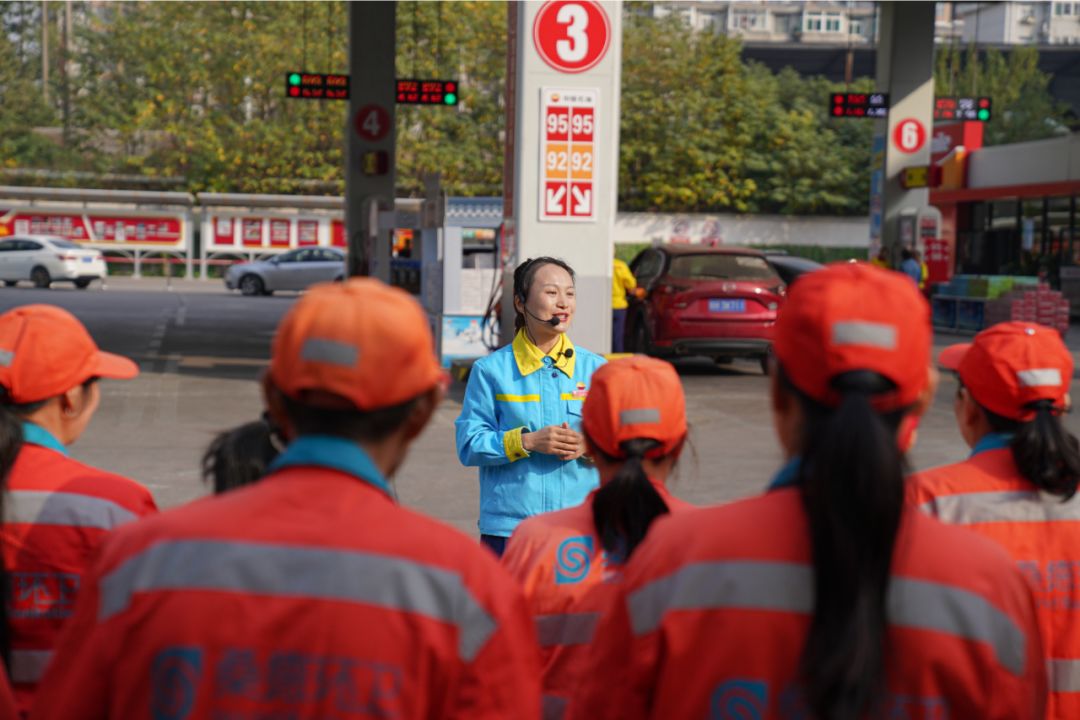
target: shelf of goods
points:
(970, 303)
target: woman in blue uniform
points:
(521, 419)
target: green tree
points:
(687, 119)
(463, 41)
(205, 99)
(803, 161)
(1023, 108)
(24, 112)
(702, 131)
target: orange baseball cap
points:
(854, 316)
(361, 340)
(46, 351)
(635, 397)
(1012, 364)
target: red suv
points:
(718, 302)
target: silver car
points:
(294, 270)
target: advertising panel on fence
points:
(102, 228)
(224, 235)
(252, 232)
(337, 233)
(307, 232)
(235, 232)
(279, 233)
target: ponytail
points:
(625, 507)
(1045, 452)
(11, 442)
(852, 481)
(240, 456)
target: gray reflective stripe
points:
(766, 586)
(1020, 506)
(566, 629)
(302, 572)
(6, 358)
(788, 587)
(640, 416)
(554, 707)
(1064, 675)
(60, 508)
(870, 334)
(28, 666)
(330, 351)
(1039, 377)
(924, 605)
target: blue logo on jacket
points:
(174, 682)
(739, 700)
(573, 559)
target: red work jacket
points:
(987, 494)
(57, 511)
(310, 594)
(568, 580)
(711, 618)
(8, 710)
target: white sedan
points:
(45, 259)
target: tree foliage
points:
(193, 93)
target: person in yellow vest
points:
(622, 282)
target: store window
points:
(1061, 230)
(749, 20)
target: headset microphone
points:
(552, 321)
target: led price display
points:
(859, 105)
(427, 92)
(316, 86)
(977, 109)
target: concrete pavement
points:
(202, 349)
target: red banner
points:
(337, 234)
(98, 228)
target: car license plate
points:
(727, 306)
(88, 259)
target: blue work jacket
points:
(519, 389)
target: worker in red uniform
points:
(57, 509)
(823, 598)
(311, 593)
(568, 561)
(8, 709)
(1018, 487)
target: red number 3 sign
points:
(571, 35)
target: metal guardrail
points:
(149, 198)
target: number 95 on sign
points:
(562, 125)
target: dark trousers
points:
(494, 543)
(618, 329)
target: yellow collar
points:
(530, 358)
